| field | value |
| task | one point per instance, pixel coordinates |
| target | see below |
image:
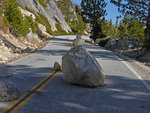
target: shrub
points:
(41, 19)
(43, 3)
(18, 25)
(33, 25)
(59, 31)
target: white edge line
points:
(135, 73)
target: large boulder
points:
(111, 44)
(8, 92)
(79, 67)
(125, 44)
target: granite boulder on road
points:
(80, 67)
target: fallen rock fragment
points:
(8, 92)
(57, 66)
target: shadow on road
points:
(121, 94)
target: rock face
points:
(51, 12)
(8, 92)
(42, 32)
(12, 47)
(79, 67)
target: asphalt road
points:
(124, 92)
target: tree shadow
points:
(121, 94)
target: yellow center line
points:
(34, 94)
(27, 96)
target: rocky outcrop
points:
(27, 13)
(12, 47)
(8, 92)
(122, 44)
(51, 12)
(42, 32)
(79, 67)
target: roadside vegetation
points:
(43, 3)
(12, 19)
(135, 23)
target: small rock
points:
(8, 92)
(78, 42)
(89, 41)
(27, 50)
(42, 27)
(148, 63)
(97, 40)
(78, 36)
(57, 66)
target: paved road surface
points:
(124, 91)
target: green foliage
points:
(43, 3)
(0, 11)
(81, 26)
(92, 11)
(76, 26)
(30, 10)
(41, 19)
(108, 29)
(97, 31)
(59, 31)
(18, 25)
(122, 31)
(135, 29)
(33, 25)
(6, 22)
(138, 8)
(65, 6)
(131, 27)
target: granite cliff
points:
(52, 13)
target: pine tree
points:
(18, 25)
(92, 11)
(129, 27)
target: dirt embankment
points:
(12, 48)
